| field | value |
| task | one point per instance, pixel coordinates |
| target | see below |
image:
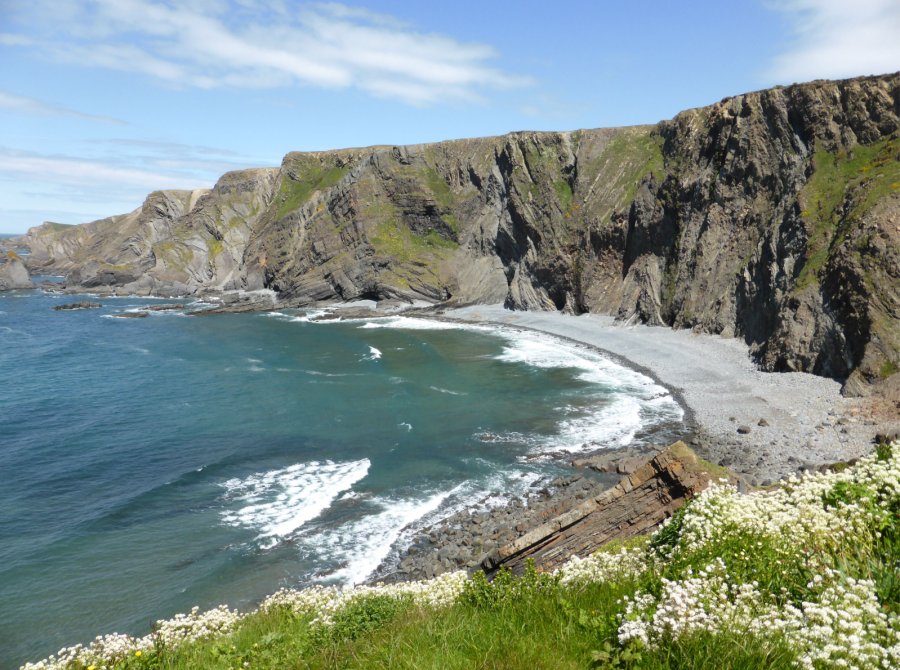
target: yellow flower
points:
(92, 667)
(137, 653)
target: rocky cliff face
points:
(13, 273)
(772, 216)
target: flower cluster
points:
(324, 601)
(816, 523)
(603, 566)
(109, 650)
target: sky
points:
(104, 101)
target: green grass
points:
(628, 156)
(564, 193)
(57, 227)
(439, 187)
(397, 241)
(510, 624)
(294, 193)
(862, 181)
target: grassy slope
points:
(538, 625)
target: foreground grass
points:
(803, 576)
(552, 627)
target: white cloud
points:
(214, 43)
(100, 175)
(10, 40)
(834, 39)
(26, 105)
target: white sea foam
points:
(365, 543)
(411, 323)
(401, 425)
(374, 354)
(437, 388)
(253, 360)
(279, 502)
(627, 400)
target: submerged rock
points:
(84, 304)
(164, 308)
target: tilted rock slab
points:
(637, 505)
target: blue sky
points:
(103, 101)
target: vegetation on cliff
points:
(802, 575)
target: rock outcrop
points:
(635, 506)
(13, 273)
(772, 216)
(84, 304)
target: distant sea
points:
(150, 465)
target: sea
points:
(150, 465)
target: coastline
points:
(810, 424)
(806, 425)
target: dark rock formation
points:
(84, 304)
(164, 308)
(635, 506)
(467, 538)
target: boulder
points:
(84, 304)
(13, 274)
(637, 505)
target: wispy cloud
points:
(213, 43)
(26, 105)
(10, 40)
(836, 38)
(24, 165)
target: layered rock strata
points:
(635, 506)
(772, 216)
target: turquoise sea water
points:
(149, 465)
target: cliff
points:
(772, 216)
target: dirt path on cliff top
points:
(809, 422)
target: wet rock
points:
(164, 308)
(84, 304)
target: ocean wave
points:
(437, 388)
(627, 401)
(412, 323)
(279, 502)
(365, 543)
(374, 354)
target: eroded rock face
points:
(14, 274)
(772, 216)
(635, 506)
(84, 304)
